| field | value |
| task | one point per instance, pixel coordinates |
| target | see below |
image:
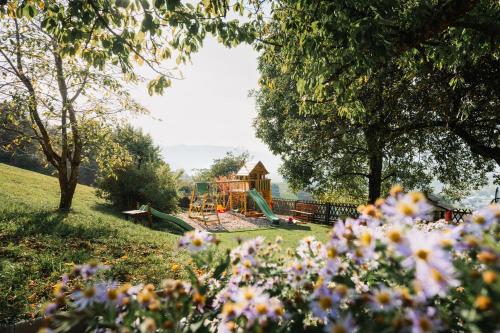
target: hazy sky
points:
(211, 105)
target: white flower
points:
(407, 208)
(433, 266)
(384, 299)
(148, 326)
(196, 241)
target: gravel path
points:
(233, 222)
(229, 222)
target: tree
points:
(146, 179)
(468, 109)
(324, 151)
(51, 92)
(223, 167)
(77, 46)
(329, 47)
(229, 164)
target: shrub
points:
(146, 178)
(152, 183)
(378, 273)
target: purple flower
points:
(433, 266)
(88, 270)
(342, 324)
(407, 208)
(196, 241)
(423, 322)
(325, 302)
(384, 299)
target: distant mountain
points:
(190, 157)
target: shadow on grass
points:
(165, 226)
(158, 224)
(51, 223)
(281, 226)
(107, 209)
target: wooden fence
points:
(327, 213)
(323, 213)
(458, 215)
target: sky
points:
(210, 106)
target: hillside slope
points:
(38, 244)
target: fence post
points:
(327, 214)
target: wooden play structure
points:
(203, 204)
(248, 193)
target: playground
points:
(240, 202)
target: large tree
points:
(65, 62)
(390, 141)
(329, 47)
(59, 97)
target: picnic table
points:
(304, 211)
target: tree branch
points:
(446, 16)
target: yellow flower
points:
(395, 190)
(198, 299)
(394, 235)
(482, 302)
(416, 196)
(406, 208)
(489, 277)
(366, 238)
(422, 254)
(261, 308)
(383, 297)
(486, 257)
(325, 302)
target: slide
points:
(169, 218)
(263, 206)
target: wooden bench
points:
(304, 211)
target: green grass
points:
(38, 244)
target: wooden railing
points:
(258, 184)
(261, 185)
(328, 213)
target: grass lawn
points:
(38, 244)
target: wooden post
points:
(150, 218)
(327, 214)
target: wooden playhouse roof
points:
(439, 201)
(251, 167)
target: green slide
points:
(263, 206)
(169, 218)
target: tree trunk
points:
(375, 163)
(375, 177)
(67, 186)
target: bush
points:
(152, 183)
(381, 272)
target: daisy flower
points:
(342, 325)
(384, 299)
(423, 322)
(196, 241)
(325, 302)
(88, 296)
(407, 208)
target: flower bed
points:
(365, 278)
